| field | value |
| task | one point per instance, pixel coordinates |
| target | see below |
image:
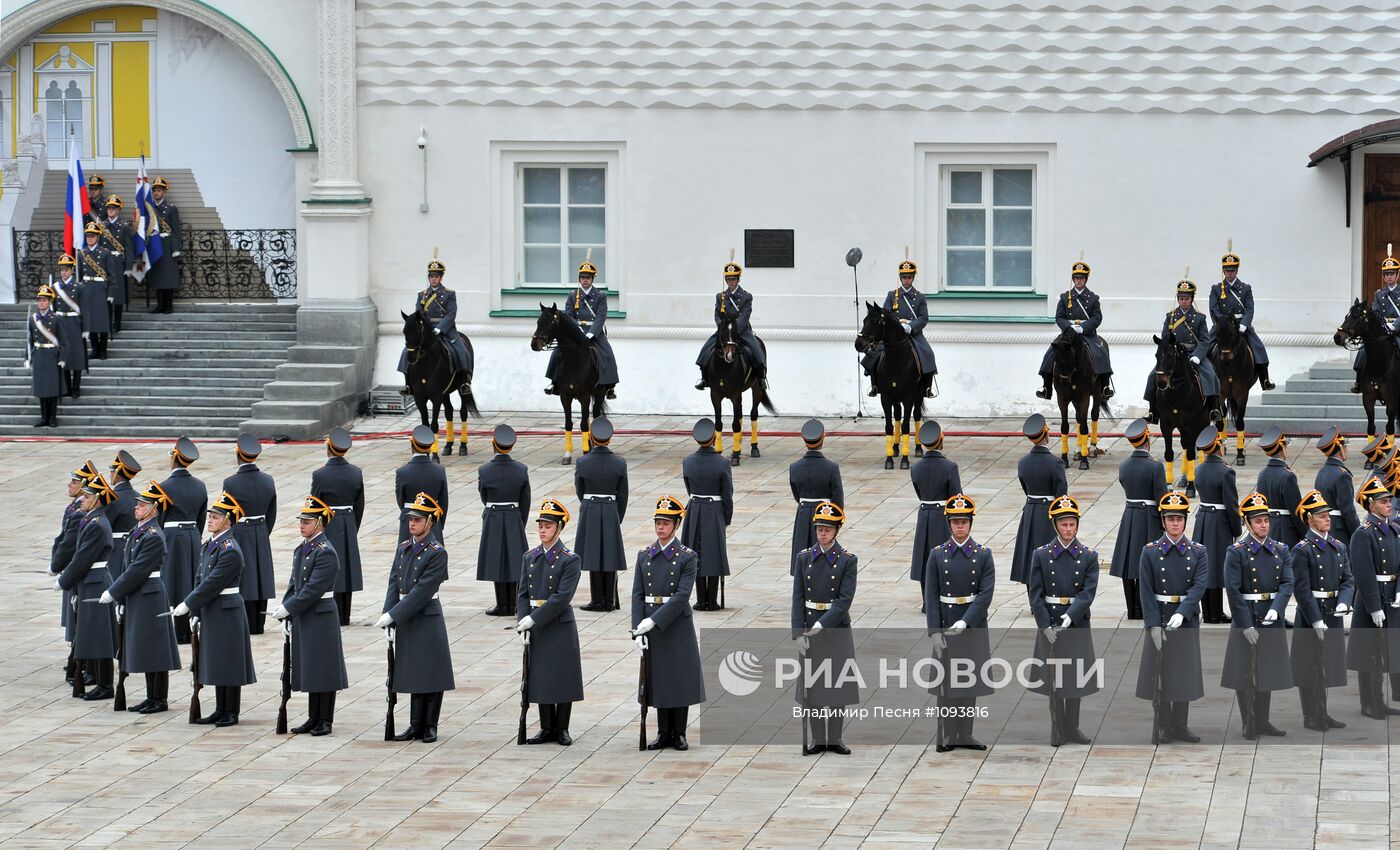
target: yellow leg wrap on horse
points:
(896, 433)
(1171, 475)
(1239, 440)
(1084, 444)
(448, 431)
(436, 446)
(1094, 432)
(904, 449)
(462, 433)
(1190, 467)
(889, 445)
(583, 439)
(568, 442)
(738, 441)
(753, 432)
(1064, 444)
(719, 440)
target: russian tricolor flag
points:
(77, 206)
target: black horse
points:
(575, 376)
(897, 377)
(1234, 365)
(1181, 407)
(729, 374)
(1076, 383)
(432, 378)
(1380, 377)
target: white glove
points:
(1176, 621)
(57, 585)
(437, 331)
(1050, 634)
(26, 364)
(957, 628)
(106, 599)
(816, 627)
(1319, 627)
(1251, 634)
(526, 623)
(1065, 621)
(1158, 637)
(110, 301)
(907, 328)
(1270, 617)
(1195, 361)
(1343, 608)
(588, 335)
(194, 624)
(1243, 329)
(940, 643)
(1395, 603)
(384, 621)
(287, 628)
(1079, 329)
(1378, 618)
(62, 364)
(643, 627)
(804, 643)
(181, 609)
(281, 613)
(641, 643)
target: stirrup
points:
(1043, 392)
(874, 391)
(700, 384)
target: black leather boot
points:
(233, 698)
(415, 719)
(546, 735)
(1069, 722)
(561, 723)
(342, 603)
(327, 714)
(1261, 716)
(1045, 391)
(432, 708)
(1263, 370)
(313, 716)
(1180, 714)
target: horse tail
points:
(469, 402)
(764, 400)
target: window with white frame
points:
(988, 227)
(562, 214)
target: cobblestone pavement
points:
(76, 774)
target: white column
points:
(338, 175)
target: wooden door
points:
(1381, 212)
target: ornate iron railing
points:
(228, 265)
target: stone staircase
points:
(184, 192)
(1310, 402)
(197, 372)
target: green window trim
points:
(953, 294)
(531, 314)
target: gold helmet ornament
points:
(1254, 504)
(1064, 506)
(960, 506)
(828, 514)
(1389, 264)
(669, 507)
(436, 266)
(553, 510)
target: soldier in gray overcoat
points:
(95, 269)
(710, 483)
(959, 578)
(43, 356)
(1323, 588)
(72, 350)
(1186, 326)
(257, 493)
(1236, 304)
(85, 577)
(413, 615)
(600, 481)
(421, 474)
(504, 485)
(1334, 481)
(1279, 485)
(1144, 483)
(734, 303)
(587, 306)
(911, 308)
(1217, 518)
(148, 639)
(1258, 583)
(121, 514)
(164, 274)
(1042, 479)
(225, 649)
(663, 628)
(1078, 309)
(823, 588)
(813, 479)
(1062, 583)
(189, 500)
(1172, 575)
(438, 305)
(341, 485)
(549, 576)
(61, 553)
(318, 659)
(1374, 553)
(936, 478)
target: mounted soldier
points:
(588, 309)
(1078, 310)
(1232, 300)
(1385, 304)
(1187, 327)
(734, 304)
(911, 307)
(438, 304)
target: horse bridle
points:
(896, 344)
(550, 342)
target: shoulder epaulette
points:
(322, 545)
(407, 543)
(681, 547)
(228, 544)
(535, 552)
(433, 544)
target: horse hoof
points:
(904, 463)
(1064, 461)
(568, 459)
(1191, 491)
(1239, 459)
(734, 459)
(889, 463)
(918, 451)
(1180, 482)
(754, 452)
(1083, 463)
(447, 450)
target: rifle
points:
(643, 688)
(1157, 675)
(1251, 689)
(802, 691)
(286, 681)
(392, 698)
(119, 703)
(78, 679)
(524, 686)
(1051, 674)
(194, 671)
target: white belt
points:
(1039, 498)
(807, 501)
(818, 606)
(1384, 577)
(100, 565)
(711, 498)
(956, 600)
(1324, 594)
(609, 496)
(1257, 597)
(502, 505)
(534, 603)
(1211, 505)
(1147, 502)
(181, 524)
(251, 518)
(341, 507)
(45, 345)
(229, 591)
(1277, 512)
(118, 535)
(1059, 600)
(937, 503)
(1161, 598)
(656, 600)
(585, 321)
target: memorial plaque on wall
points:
(768, 249)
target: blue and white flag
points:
(145, 230)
